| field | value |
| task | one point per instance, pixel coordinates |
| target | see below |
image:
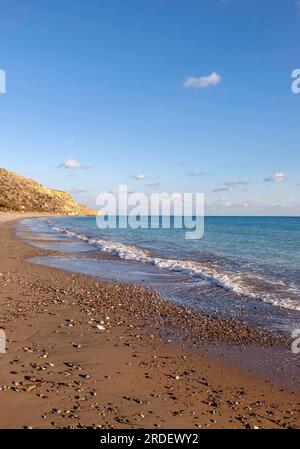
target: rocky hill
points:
(21, 194)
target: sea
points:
(246, 268)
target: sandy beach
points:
(82, 352)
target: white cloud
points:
(139, 176)
(238, 183)
(78, 191)
(195, 173)
(230, 186)
(203, 81)
(277, 177)
(225, 202)
(224, 189)
(72, 164)
(251, 206)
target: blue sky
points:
(184, 95)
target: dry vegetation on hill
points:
(18, 193)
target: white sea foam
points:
(229, 280)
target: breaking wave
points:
(279, 293)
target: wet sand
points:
(87, 353)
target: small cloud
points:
(154, 185)
(298, 6)
(78, 192)
(277, 177)
(72, 164)
(202, 81)
(230, 186)
(196, 173)
(225, 202)
(139, 176)
(238, 183)
(224, 189)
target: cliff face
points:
(18, 193)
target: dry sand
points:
(87, 353)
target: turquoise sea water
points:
(245, 266)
